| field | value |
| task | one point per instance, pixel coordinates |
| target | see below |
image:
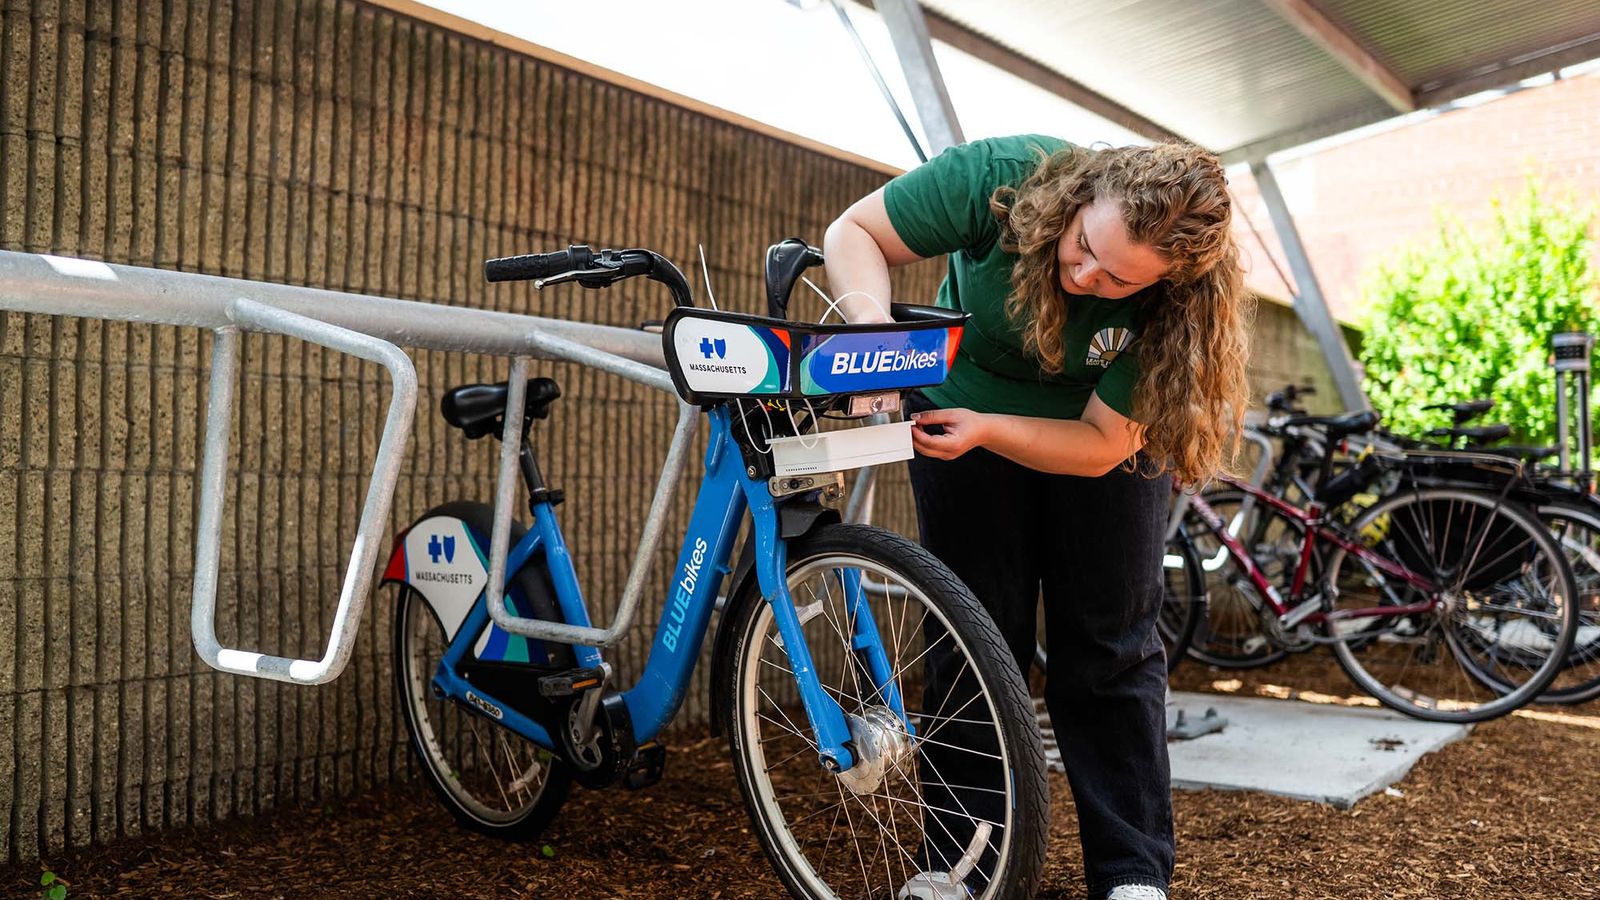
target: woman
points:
(1105, 355)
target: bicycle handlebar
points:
(537, 265)
(1285, 400)
(590, 269)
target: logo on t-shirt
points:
(1106, 344)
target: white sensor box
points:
(834, 451)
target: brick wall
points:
(332, 144)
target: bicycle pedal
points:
(646, 768)
(572, 681)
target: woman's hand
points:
(963, 430)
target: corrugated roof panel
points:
(1221, 72)
(1430, 42)
(1231, 73)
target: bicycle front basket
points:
(716, 355)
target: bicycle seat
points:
(1523, 452)
(1465, 410)
(478, 409)
(1340, 425)
(1482, 434)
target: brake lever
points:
(591, 278)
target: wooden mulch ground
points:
(1511, 812)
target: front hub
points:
(881, 745)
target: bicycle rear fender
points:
(795, 519)
(444, 556)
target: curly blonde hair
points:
(1192, 342)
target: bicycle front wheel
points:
(951, 793)
(1231, 634)
(1487, 639)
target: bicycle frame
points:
(1315, 528)
(725, 494)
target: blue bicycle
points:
(857, 679)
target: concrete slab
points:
(1329, 754)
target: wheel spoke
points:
(883, 822)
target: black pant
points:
(1093, 546)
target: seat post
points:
(534, 479)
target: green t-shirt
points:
(942, 206)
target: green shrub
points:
(1470, 313)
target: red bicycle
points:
(1442, 599)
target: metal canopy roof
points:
(1251, 77)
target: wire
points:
(739, 405)
(706, 274)
(811, 410)
(833, 304)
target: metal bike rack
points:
(506, 487)
(374, 513)
(373, 328)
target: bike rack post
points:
(506, 484)
(373, 328)
(1572, 350)
(374, 514)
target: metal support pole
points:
(915, 49)
(1572, 351)
(1585, 426)
(912, 45)
(1309, 302)
(1563, 423)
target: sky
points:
(756, 57)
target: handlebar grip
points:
(537, 265)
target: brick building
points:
(1356, 201)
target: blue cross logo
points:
(718, 346)
(447, 548)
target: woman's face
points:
(1098, 258)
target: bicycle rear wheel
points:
(962, 791)
(1505, 606)
(491, 779)
(1577, 529)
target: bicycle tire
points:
(1183, 602)
(1469, 614)
(947, 608)
(428, 721)
(1579, 680)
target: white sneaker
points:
(933, 886)
(1136, 892)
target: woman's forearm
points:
(1057, 446)
(858, 273)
